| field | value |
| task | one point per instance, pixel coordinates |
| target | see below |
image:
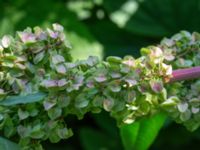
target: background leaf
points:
(140, 135)
(119, 32)
(155, 18)
(8, 145)
(107, 124)
(129, 135)
(96, 140)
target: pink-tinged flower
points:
(100, 78)
(138, 71)
(48, 105)
(129, 62)
(142, 88)
(115, 75)
(90, 84)
(62, 82)
(167, 69)
(40, 34)
(56, 59)
(49, 83)
(58, 27)
(168, 42)
(53, 34)
(131, 81)
(156, 86)
(168, 55)
(6, 41)
(27, 37)
(156, 55)
(156, 52)
(108, 104)
(61, 69)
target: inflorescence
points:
(40, 85)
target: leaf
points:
(54, 138)
(8, 145)
(108, 104)
(100, 78)
(113, 59)
(114, 45)
(56, 59)
(140, 135)
(39, 57)
(36, 132)
(61, 69)
(148, 17)
(106, 123)
(129, 135)
(23, 114)
(114, 87)
(182, 107)
(96, 140)
(31, 98)
(185, 115)
(81, 102)
(54, 113)
(64, 133)
(48, 105)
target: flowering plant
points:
(40, 85)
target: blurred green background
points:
(103, 28)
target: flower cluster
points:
(183, 97)
(26, 60)
(40, 85)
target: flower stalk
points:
(185, 74)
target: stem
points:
(185, 74)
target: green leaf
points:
(8, 145)
(36, 132)
(140, 135)
(64, 133)
(81, 101)
(39, 57)
(114, 45)
(56, 59)
(106, 123)
(54, 138)
(22, 114)
(185, 115)
(96, 140)
(129, 135)
(182, 107)
(148, 17)
(54, 113)
(113, 59)
(31, 98)
(108, 104)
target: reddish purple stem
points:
(185, 74)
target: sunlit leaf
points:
(140, 135)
